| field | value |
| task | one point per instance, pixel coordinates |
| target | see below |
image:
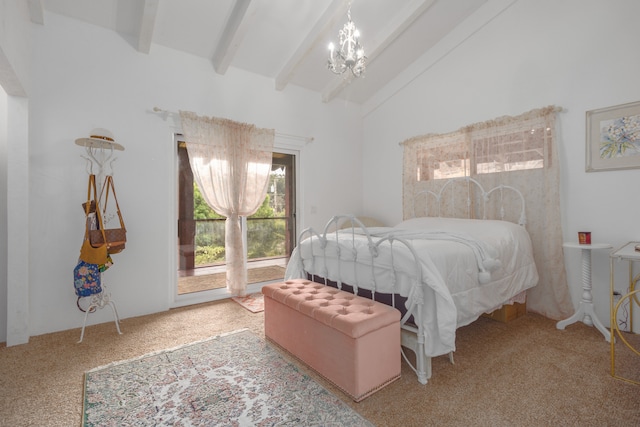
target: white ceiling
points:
(284, 40)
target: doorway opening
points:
(270, 232)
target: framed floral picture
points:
(613, 138)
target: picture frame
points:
(613, 138)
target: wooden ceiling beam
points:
(234, 31)
(36, 11)
(336, 10)
(147, 25)
(9, 80)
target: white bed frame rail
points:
(412, 335)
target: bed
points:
(441, 273)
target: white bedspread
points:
(469, 267)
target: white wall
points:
(85, 77)
(15, 50)
(576, 54)
(580, 55)
(3, 215)
(18, 226)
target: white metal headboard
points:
(485, 196)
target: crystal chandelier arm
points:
(350, 54)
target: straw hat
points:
(100, 138)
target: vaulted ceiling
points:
(284, 40)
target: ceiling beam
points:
(234, 31)
(147, 24)
(336, 10)
(376, 46)
(36, 11)
(9, 80)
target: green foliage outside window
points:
(265, 237)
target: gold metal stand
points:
(629, 254)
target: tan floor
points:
(523, 373)
(205, 282)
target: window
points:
(504, 151)
(511, 151)
(443, 162)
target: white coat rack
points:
(100, 148)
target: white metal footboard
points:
(413, 337)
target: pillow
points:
(365, 220)
(346, 223)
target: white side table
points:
(586, 313)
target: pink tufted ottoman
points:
(353, 342)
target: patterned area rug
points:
(253, 302)
(235, 379)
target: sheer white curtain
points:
(518, 151)
(231, 163)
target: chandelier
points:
(350, 54)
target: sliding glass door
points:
(270, 232)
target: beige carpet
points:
(525, 373)
(207, 282)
